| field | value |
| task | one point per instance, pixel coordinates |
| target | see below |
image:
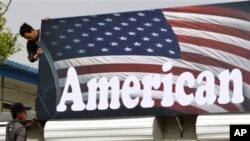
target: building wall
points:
(16, 91)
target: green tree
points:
(7, 39)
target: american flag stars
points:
(99, 39)
(55, 27)
(76, 41)
(140, 14)
(93, 29)
(85, 20)
(146, 39)
(117, 14)
(62, 21)
(148, 24)
(68, 47)
(128, 49)
(62, 37)
(169, 40)
(155, 34)
(114, 44)
(108, 33)
(156, 19)
(54, 43)
(131, 33)
(78, 25)
(132, 19)
(150, 50)
(117, 28)
(104, 49)
(171, 52)
(81, 51)
(137, 44)
(123, 38)
(85, 34)
(140, 29)
(120, 33)
(124, 24)
(108, 20)
(159, 45)
(101, 24)
(91, 45)
(70, 30)
(163, 29)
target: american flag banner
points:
(194, 39)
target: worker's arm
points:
(21, 134)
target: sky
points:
(33, 11)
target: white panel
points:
(216, 127)
(2, 131)
(130, 129)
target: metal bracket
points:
(180, 123)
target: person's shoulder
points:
(28, 44)
(17, 124)
(14, 125)
(19, 128)
(31, 44)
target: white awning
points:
(125, 129)
(216, 127)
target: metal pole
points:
(2, 93)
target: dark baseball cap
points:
(17, 108)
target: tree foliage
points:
(7, 39)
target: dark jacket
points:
(15, 131)
(32, 47)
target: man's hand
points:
(31, 123)
(46, 19)
(39, 51)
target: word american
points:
(111, 96)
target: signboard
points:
(187, 60)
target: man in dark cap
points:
(15, 131)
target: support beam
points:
(179, 125)
(2, 93)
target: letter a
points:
(75, 96)
(237, 132)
